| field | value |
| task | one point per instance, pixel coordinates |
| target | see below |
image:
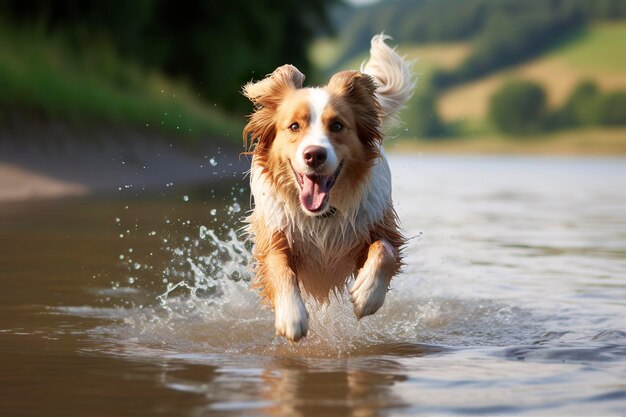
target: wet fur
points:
(295, 250)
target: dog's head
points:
(317, 144)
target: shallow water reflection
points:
(512, 302)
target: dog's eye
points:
(295, 127)
(336, 127)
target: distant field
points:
(602, 47)
(324, 54)
(443, 55)
(598, 141)
(598, 53)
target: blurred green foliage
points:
(588, 106)
(613, 109)
(503, 32)
(499, 34)
(581, 108)
(518, 107)
(424, 120)
(216, 45)
(41, 77)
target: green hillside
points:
(600, 47)
(595, 53)
(40, 76)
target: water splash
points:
(207, 306)
(212, 276)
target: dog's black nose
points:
(314, 156)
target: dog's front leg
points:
(291, 315)
(371, 284)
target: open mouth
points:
(314, 189)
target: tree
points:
(423, 118)
(518, 107)
(613, 109)
(582, 107)
(217, 45)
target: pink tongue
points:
(314, 192)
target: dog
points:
(321, 185)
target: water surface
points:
(513, 301)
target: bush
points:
(588, 106)
(423, 118)
(518, 107)
(583, 107)
(613, 109)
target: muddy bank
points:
(51, 161)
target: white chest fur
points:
(349, 224)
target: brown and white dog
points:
(323, 212)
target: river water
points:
(513, 301)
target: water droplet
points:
(213, 162)
(235, 208)
(213, 212)
(131, 280)
(185, 198)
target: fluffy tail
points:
(392, 74)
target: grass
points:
(601, 48)
(41, 76)
(596, 53)
(599, 142)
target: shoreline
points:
(123, 161)
(582, 142)
(114, 162)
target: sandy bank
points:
(109, 164)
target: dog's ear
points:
(359, 90)
(272, 89)
(266, 95)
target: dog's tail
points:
(393, 75)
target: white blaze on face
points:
(316, 134)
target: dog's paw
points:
(368, 292)
(292, 319)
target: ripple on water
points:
(207, 308)
(231, 321)
(510, 303)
